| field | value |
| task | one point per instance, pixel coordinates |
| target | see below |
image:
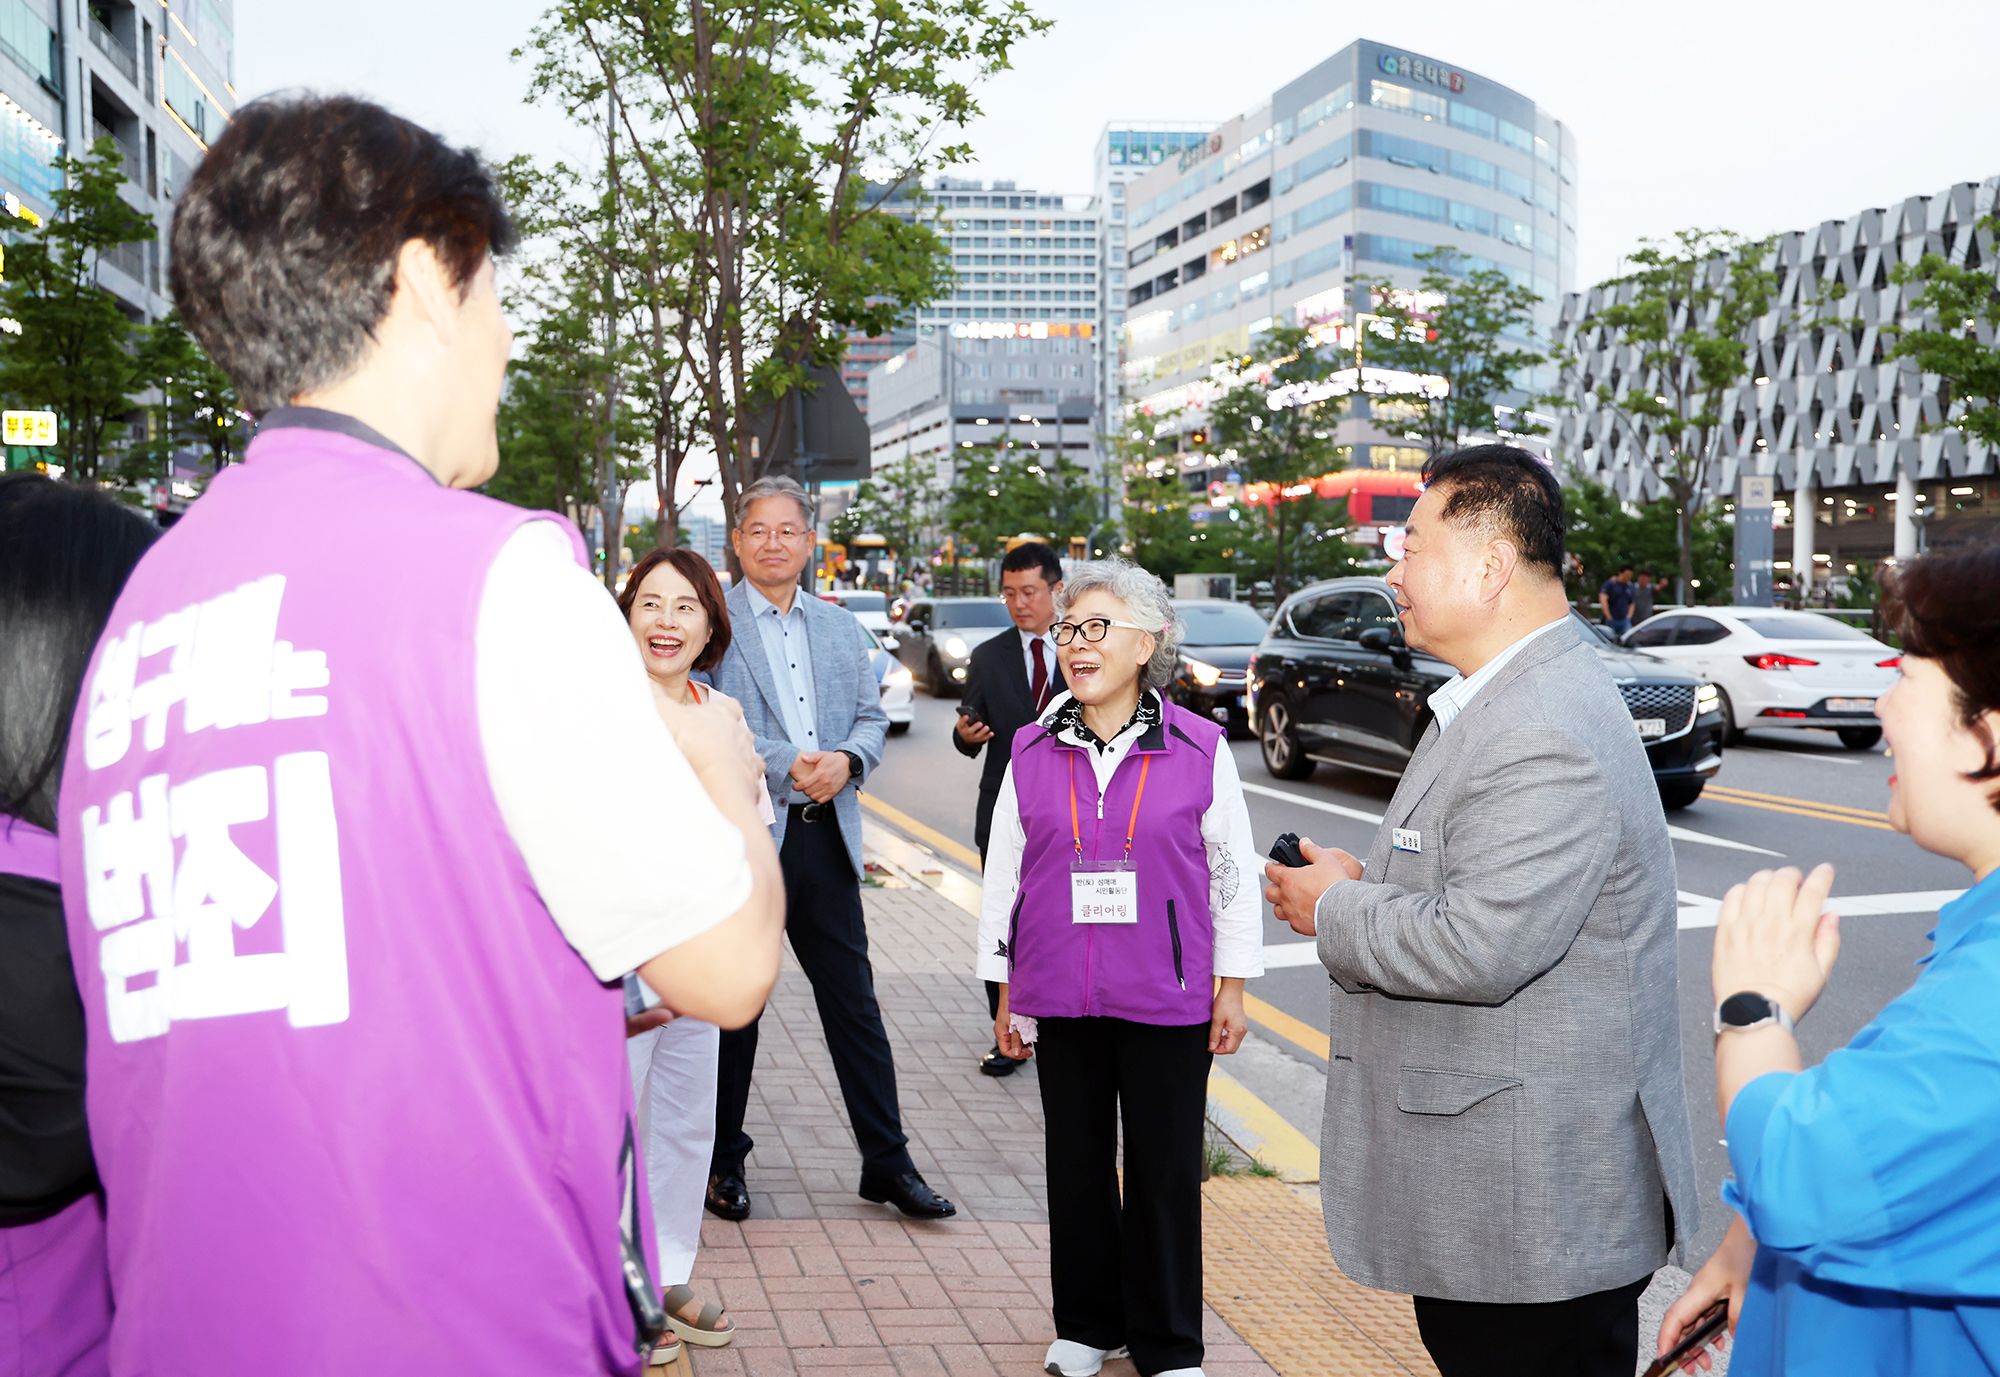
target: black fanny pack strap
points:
(649, 1317)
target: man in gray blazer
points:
(799, 667)
(1506, 1133)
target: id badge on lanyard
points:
(1099, 892)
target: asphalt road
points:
(1783, 798)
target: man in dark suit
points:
(1009, 682)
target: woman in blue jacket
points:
(1867, 1189)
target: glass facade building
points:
(1352, 170)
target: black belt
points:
(810, 812)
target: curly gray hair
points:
(1147, 602)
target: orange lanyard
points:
(1131, 825)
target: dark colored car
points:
(1334, 682)
(1222, 639)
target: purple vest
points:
(356, 1103)
(1159, 969)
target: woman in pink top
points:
(673, 603)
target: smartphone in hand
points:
(1694, 1338)
(970, 715)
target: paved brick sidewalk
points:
(819, 1280)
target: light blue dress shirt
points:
(1872, 1181)
(789, 652)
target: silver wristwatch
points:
(1741, 1012)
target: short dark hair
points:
(1946, 607)
(285, 241)
(65, 553)
(1033, 554)
(1509, 489)
(707, 587)
(1625, 568)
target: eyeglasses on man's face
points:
(1090, 628)
(761, 534)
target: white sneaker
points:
(1068, 1358)
(1181, 1372)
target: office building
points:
(1374, 156)
(1125, 149)
(1855, 440)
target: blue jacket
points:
(1872, 1181)
(845, 696)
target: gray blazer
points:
(1506, 1118)
(845, 697)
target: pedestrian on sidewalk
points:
(364, 819)
(1614, 600)
(1009, 683)
(1867, 1188)
(1120, 917)
(1642, 596)
(65, 551)
(674, 606)
(1506, 1133)
(799, 666)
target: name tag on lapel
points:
(1406, 839)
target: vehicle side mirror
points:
(1379, 638)
(917, 628)
(891, 643)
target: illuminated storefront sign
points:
(1419, 70)
(28, 427)
(1025, 329)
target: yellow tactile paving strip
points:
(1266, 1271)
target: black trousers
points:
(1586, 1336)
(823, 919)
(1126, 1273)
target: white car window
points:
(1776, 626)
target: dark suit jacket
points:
(996, 688)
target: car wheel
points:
(1283, 756)
(937, 681)
(898, 728)
(1732, 735)
(1680, 795)
(1860, 738)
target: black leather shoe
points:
(998, 1063)
(907, 1193)
(728, 1197)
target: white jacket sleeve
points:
(619, 836)
(1235, 874)
(1001, 884)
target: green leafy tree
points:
(1959, 306)
(1457, 328)
(76, 354)
(1605, 533)
(1160, 532)
(198, 411)
(1275, 424)
(902, 503)
(1686, 311)
(746, 127)
(1010, 491)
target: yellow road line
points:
(958, 851)
(1260, 1130)
(1801, 802)
(1285, 1026)
(1799, 812)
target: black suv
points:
(1334, 682)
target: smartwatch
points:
(853, 764)
(1747, 1010)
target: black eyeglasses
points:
(1090, 628)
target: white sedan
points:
(896, 683)
(1778, 668)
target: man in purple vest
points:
(367, 809)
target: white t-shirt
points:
(621, 839)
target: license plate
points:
(1850, 705)
(1651, 726)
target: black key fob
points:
(1285, 851)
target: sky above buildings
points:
(1718, 113)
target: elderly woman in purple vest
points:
(673, 603)
(1121, 917)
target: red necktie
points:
(1039, 688)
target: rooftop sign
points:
(1417, 69)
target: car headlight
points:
(1707, 700)
(1204, 673)
(899, 676)
(956, 647)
